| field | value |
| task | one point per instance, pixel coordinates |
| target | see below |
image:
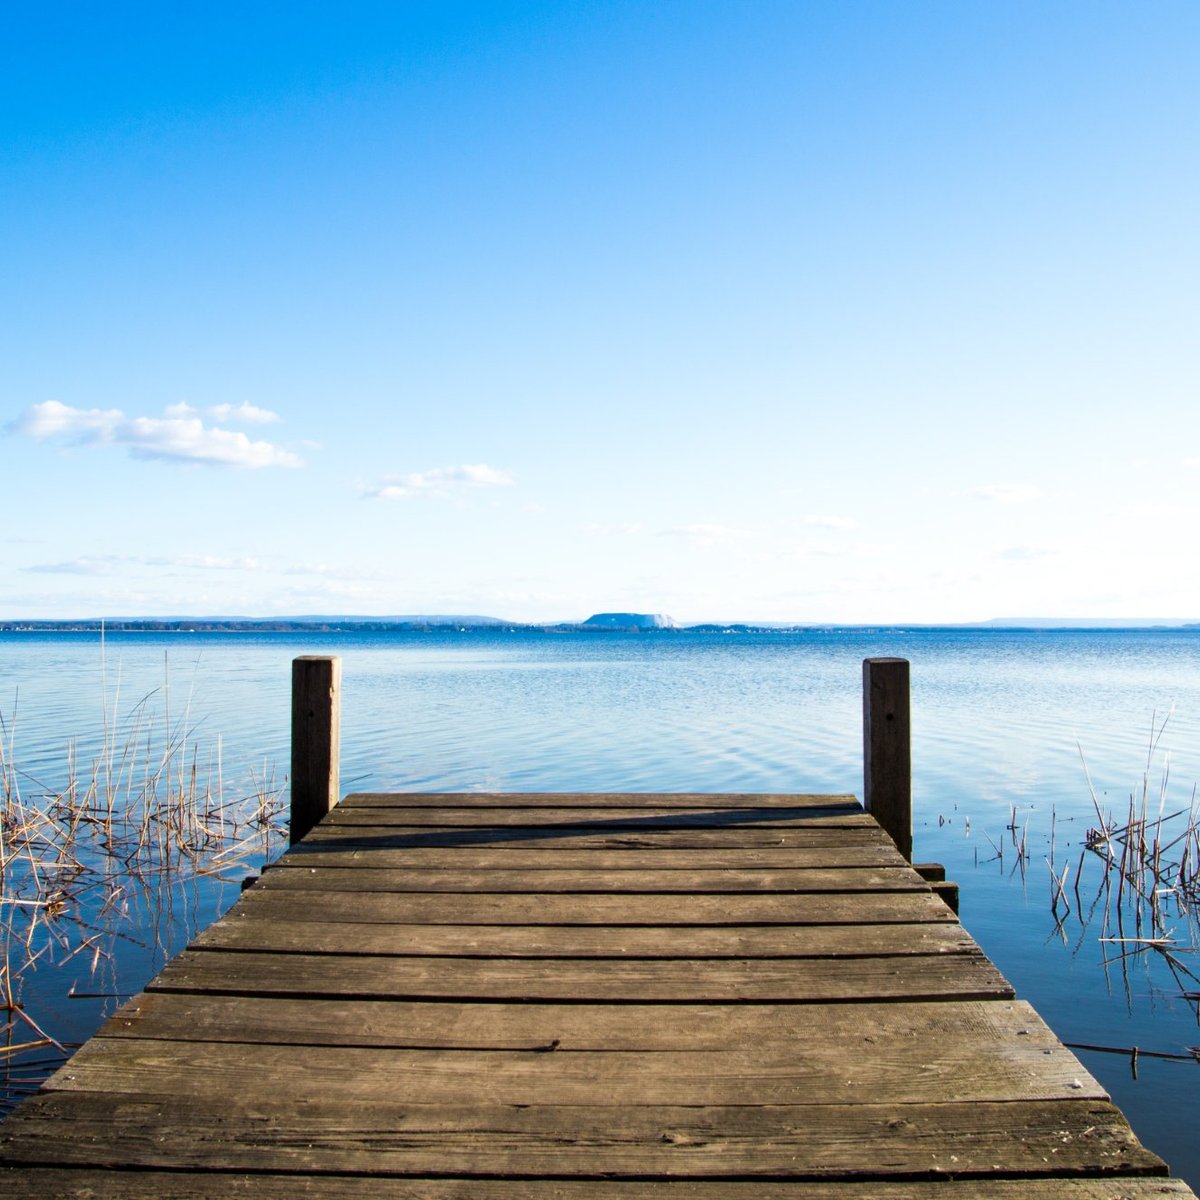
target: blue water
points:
(999, 722)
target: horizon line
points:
(484, 621)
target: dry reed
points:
(87, 859)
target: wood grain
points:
(648, 816)
(838, 1071)
(353, 871)
(83, 1184)
(263, 1132)
(735, 837)
(559, 941)
(935, 1031)
(380, 853)
(964, 976)
(282, 899)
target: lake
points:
(1000, 721)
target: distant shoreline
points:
(450, 624)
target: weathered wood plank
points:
(377, 853)
(353, 871)
(738, 837)
(836, 1072)
(557, 941)
(935, 1031)
(964, 976)
(51, 1183)
(861, 908)
(841, 801)
(261, 1133)
(629, 819)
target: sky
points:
(758, 310)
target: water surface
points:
(999, 722)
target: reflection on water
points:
(998, 722)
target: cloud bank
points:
(179, 435)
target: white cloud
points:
(831, 522)
(610, 529)
(52, 419)
(1157, 511)
(102, 565)
(243, 414)
(701, 534)
(211, 562)
(179, 435)
(318, 569)
(440, 481)
(1026, 553)
(110, 564)
(1008, 493)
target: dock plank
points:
(53, 1183)
(740, 1075)
(354, 871)
(814, 803)
(932, 1031)
(271, 898)
(379, 853)
(736, 837)
(965, 976)
(315, 936)
(644, 816)
(262, 1133)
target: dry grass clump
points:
(86, 859)
(1151, 857)
(1148, 898)
(1143, 906)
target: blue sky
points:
(731, 310)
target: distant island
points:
(602, 622)
(626, 620)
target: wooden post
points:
(887, 751)
(316, 740)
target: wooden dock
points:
(469, 997)
(581, 996)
